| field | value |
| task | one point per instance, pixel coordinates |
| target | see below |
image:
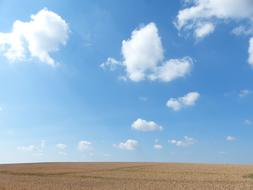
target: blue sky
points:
(177, 86)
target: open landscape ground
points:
(123, 176)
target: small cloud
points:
(143, 125)
(244, 93)
(110, 64)
(107, 155)
(188, 100)
(130, 144)
(185, 142)
(158, 146)
(248, 122)
(143, 98)
(250, 51)
(222, 153)
(84, 145)
(204, 29)
(230, 138)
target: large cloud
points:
(143, 125)
(143, 57)
(37, 38)
(201, 16)
(142, 52)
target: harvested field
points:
(123, 176)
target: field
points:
(124, 176)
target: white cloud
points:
(248, 122)
(244, 93)
(250, 60)
(230, 138)
(172, 69)
(198, 12)
(35, 149)
(204, 29)
(158, 146)
(143, 57)
(110, 64)
(37, 38)
(84, 145)
(130, 144)
(208, 10)
(61, 148)
(185, 142)
(188, 100)
(143, 125)
(142, 52)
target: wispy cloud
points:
(230, 138)
(34, 149)
(185, 142)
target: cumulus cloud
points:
(230, 138)
(158, 146)
(37, 38)
(185, 142)
(143, 125)
(200, 17)
(34, 149)
(130, 144)
(84, 145)
(142, 52)
(209, 10)
(189, 99)
(61, 148)
(143, 57)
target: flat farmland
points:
(124, 176)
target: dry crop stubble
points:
(123, 176)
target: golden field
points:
(124, 176)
